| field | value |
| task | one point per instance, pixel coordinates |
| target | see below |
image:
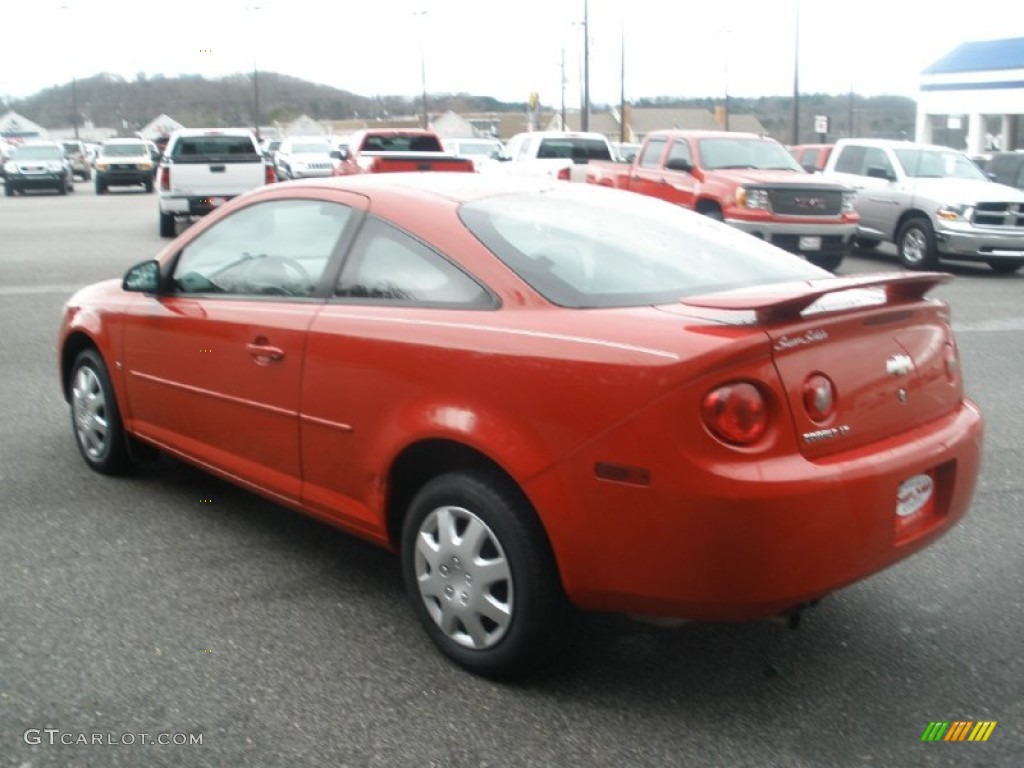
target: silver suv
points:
(932, 202)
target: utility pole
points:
(622, 84)
(74, 105)
(423, 67)
(585, 117)
(796, 78)
(563, 88)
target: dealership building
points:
(973, 97)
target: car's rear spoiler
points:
(785, 301)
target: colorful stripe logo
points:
(958, 730)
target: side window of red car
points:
(278, 248)
(386, 264)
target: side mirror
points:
(679, 164)
(335, 154)
(143, 278)
(878, 172)
(342, 153)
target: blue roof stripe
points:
(992, 86)
(981, 56)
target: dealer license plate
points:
(810, 243)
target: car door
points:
(369, 365)
(213, 366)
(877, 196)
(679, 186)
(647, 177)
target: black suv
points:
(38, 165)
(1006, 168)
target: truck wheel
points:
(829, 261)
(149, 186)
(100, 187)
(712, 212)
(480, 574)
(167, 228)
(915, 244)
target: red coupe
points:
(541, 395)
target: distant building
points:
(16, 128)
(642, 120)
(975, 90)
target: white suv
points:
(302, 158)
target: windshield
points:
(589, 247)
(401, 143)
(37, 153)
(477, 148)
(573, 148)
(938, 164)
(124, 150)
(762, 154)
(312, 149)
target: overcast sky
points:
(506, 49)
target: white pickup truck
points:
(555, 154)
(203, 169)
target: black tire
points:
(829, 261)
(866, 243)
(496, 524)
(149, 186)
(915, 244)
(100, 187)
(95, 416)
(1006, 267)
(63, 188)
(712, 212)
(167, 228)
(8, 190)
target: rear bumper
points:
(752, 539)
(192, 206)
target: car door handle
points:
(264, 353)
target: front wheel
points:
(95, 416)
(915, 244)
(1005, 267)
(480, 573)
(829, 261)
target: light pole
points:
(74, 85)
(255, 76)
(585, 117)
(423, 67)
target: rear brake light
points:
(819, 397)
(269, 177)
(165, 179)
(736, 413)
(564, 174)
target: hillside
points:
(109, 100)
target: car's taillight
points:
(165, 179)
(564, 174)
(736, 413)
(269, 177)
(819, 397)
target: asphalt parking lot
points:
(173, 605)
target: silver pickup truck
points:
(932, 202)
(203, 169)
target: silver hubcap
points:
(914, 246)
(89, 410)
(464, 577)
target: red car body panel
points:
(596, 415)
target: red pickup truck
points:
(746, 180)
(397, 151)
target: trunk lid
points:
(888, 352)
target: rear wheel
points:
(95, 417)
(480, 573)
(915, 244)
(166, 225)
(712, 212)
